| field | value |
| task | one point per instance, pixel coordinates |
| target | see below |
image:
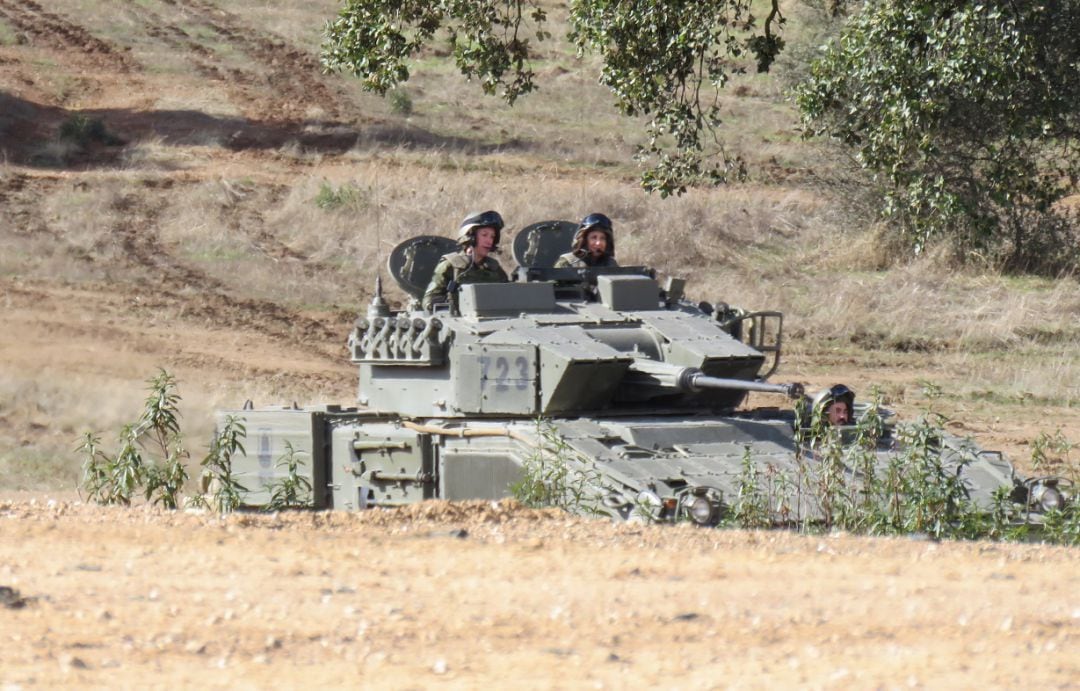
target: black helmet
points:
(483, 219)
(594, 222)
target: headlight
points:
(649, 499)
(1046, 497)
(700, 510)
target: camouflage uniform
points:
(578, 257)
(458, 267)
(574, 261)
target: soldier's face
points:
(839, 413)
(596, 241)
(485, 239)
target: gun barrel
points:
(700, 381)
(691, 379)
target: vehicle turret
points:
(616, 343)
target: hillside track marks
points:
(169, 283)
(55, 31)
(247, 219)
(294, 75)
(22, 215)
(242, 87)
(196, 294)
(150, 330)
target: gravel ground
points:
(472, 594)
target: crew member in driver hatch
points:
(837, 405)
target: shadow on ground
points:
(30, 134)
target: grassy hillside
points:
(228, 212)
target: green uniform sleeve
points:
(436, 288)
(568, 261)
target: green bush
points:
(400, 102)
(965, 115)
(150, 457)
(330, 198)
(83, 130)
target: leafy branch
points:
(666, 60)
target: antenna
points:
(378, 240)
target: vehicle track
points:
(137, 235)
(56, 31)
(169, 281)
(292, 72)
(243, 87)
(247, 219)
(293, 76)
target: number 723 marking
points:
(502, 378)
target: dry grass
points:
(42, 419)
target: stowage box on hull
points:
(357, 460)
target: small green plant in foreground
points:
(150, 457)
(226, 493)
(555, 475)
(840, 483)
(151, 454)
(1051, 452)
(294, 490)
(751, 509)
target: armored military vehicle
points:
(626, 392)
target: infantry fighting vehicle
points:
(625, 391)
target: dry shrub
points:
(193, 219)
(84, 215)
(156, 154)
(71, 237)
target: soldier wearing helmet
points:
(836, 405)
(593, 244)
(478, 238)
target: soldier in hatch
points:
(837, 405)
(593, 244)
(478, 237)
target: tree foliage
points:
(966, 113)
(663, 60)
